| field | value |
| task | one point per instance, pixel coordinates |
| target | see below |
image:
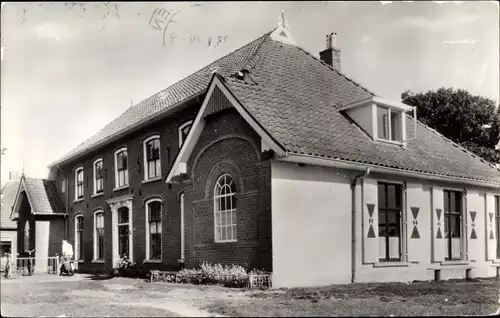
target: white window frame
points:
(148, 229)
(232, 224)
(95, 175)
(129, 224)
(145, 157)
(188, 123)
(77, 170)
(96, 212)
(463, 225)
(77, 249)
(389, 123)
(116, 169)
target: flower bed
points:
(233, 276)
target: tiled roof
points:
(295, 97)
(43, 196)
(174, 94)
(8, 195)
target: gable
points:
(217, 99)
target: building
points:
(8, 228)
(273, 159)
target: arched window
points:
(79, 183)
(152, 162)
(27, 236)
(225, 209)
(123, 232)
(99, 235)
(79, 237)
(153, 229)
(184, 131)
(121, 168)
(98, 177)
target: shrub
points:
(123, 266)
(209, 274)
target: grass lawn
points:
(86, 296)
(448, 298)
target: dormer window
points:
(389, 124)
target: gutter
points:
(353, 221)
(344, 164)
(129, 129)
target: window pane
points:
(381, 195)
(233, 202)
(458, 202)
(455, 226)
(382, 123)
(497, 206)
(223, 236)
(453, 207)
(217, 219)
(234, 232)
(233, 217)
(152, 228)
(381, 218)
(395, 126)
(446, 225)
(393, 231)
(223, 218)
(381, 230)
(218, 235)
(391, 191)
(392, 218)
(223, 204)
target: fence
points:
(33, 265)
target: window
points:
(98, 177)
(389, 221)
(184, 131)
(99, 235)
(497, 223)
(225, 209)
(152, 165)
(63, 185)
(79, 184)
(123, 232)
(79, 237)
(153, 239)
(389, 124)
(452, 224)
(121, 166)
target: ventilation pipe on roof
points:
(353, 221)
(331, 54)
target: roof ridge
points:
(338, 72)
(455, 144)
(154, 96)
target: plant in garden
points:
(123, 265)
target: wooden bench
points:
(453, 266)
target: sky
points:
(68, 71)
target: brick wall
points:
(226, 137)
(169, 143)
(228, 145)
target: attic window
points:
(389, 124)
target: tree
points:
(471, 121)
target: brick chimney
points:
(331, 55)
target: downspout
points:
(353, 221)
